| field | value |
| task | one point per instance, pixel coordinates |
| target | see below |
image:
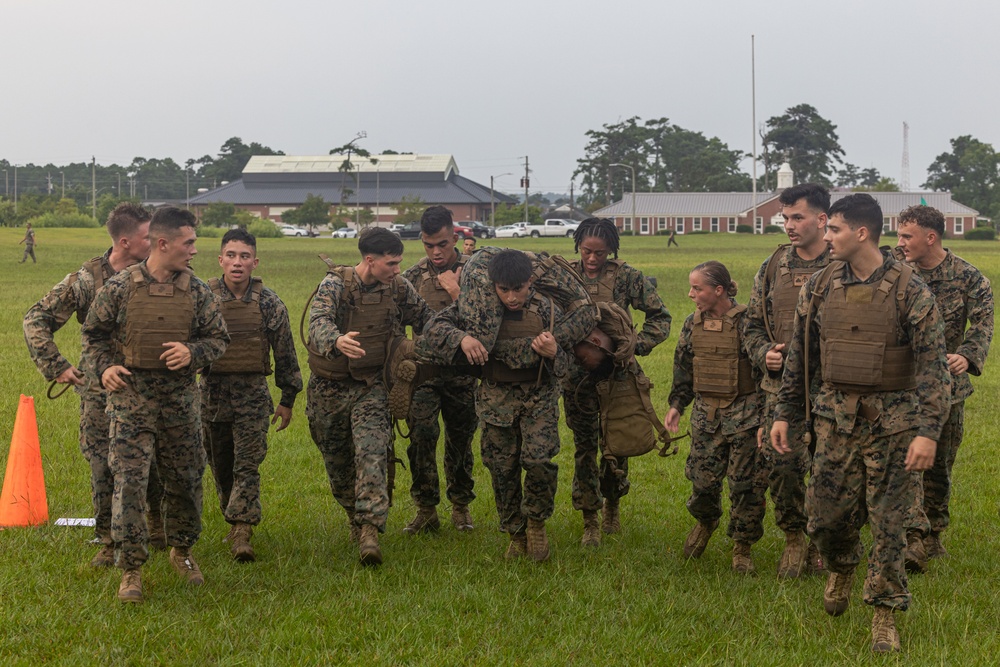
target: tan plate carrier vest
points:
(157, 313)
(860, 349)
(437, 297)
(525, 323)
(249, 350)
(784, 284)
(721, 370)
(373, 315)
(602, 291)
(95, 267)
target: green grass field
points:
(451, 599)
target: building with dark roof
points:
(273, 184)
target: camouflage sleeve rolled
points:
(101, 327)
(49, 314)
(925, 329)
(323, 331)
(682, 389)
(791, 397)
(413, 274)
(209, 336)
(287, 376)
(979, 313)
(413, 310)
(641, 295)
(756, 341)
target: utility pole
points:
(93, 186)
(572, 208)
(753, 122)
(904, 183)
(526, 183)
(63, 174)
(48, 183)
(15, 189)
(119, 192)
(187, 188)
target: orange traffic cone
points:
(23, 502)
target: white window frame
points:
(679, 225)
(714, 225)
(732, 225)
(662, 224)
(759, 225)
(886, 224)
(644, 225)
(960, 226)
(696, 225)
(627, 225)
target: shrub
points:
(773, 229)
(207, 232)
(893, 233)
(744, 229)
(63, 220)
(264, 229)
(980, 234)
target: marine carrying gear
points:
(157, 313)
(437, 297)
(249, 350)
(721, 370)
(784, 285)
(628, 418)
(524, 323)
(603, 290)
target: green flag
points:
(923, 202)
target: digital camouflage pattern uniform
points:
(236, 408)
(723, 446)
(482, 311)
(74, 295)
(454, 399)
(627, 287)
(349, 419)
(519, 420)
(859, 470)
(786, 472)
(29, 246)
(157, 414)
(963, 295)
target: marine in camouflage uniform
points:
(871, 432)
(964, 297)
(73, 295)
(348, 411)
(453, 398)
(236, 401)
(155, 411)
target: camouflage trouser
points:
(930, 506)
(349, 422)
(29, 250)
(786, 473)
(593, 476)
(715, 457)
(235, 451)
(455, 400)
(95, 427)
(857, 478)
(180, 460)
(529, 444)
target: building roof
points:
(331, 164)
(894, 202)
(686, 204)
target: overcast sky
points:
(487, 82)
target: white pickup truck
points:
(553, 227)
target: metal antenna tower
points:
(904, 183)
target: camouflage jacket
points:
(963, 294)
(632, 290)
(152, 398)
(742, 414)
(73, 295)
(415, 274)
(924, 409)
(328, 313)
(756, 341)
(220, 391)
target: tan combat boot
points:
(814, 561)
(518, 546)
(611, 521)
(885, 638)
(591, 529)
(742, 561)
(105, 557)
(368, 545)
(183, 562)
(426, 521)
(933, 547)
(402, 375)
(130, 591)
(538, 541)
(239, 543)
(697, 539)
(914, 557)
(461, 518)
(157, 535)
(793, 558)
(838, 593)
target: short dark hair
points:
(860, 209)
(817, 197)
(510, 268)
(379, 241)
(125, 218)
(434, 219)
(168, 220)
(601, 228)
(241, 235)
(924, 216)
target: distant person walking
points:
(672, 239)
(29, 245)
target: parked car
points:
(412, 231)
(478, 229)
(292, 230)
(510, 232)
(553, 227)
(345, 233)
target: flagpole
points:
(753, 114)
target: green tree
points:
(883, 184)
(230, 162)
(624, 143)
(218, 214)
(106, 203)
(508, 214)
(314, 212)
(971, 172)
(409, 210)
(806, 140)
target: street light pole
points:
(628, 166)
(15, 189)
(493, 205)
(63, 174)
(6, 184)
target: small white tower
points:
(785, 177)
